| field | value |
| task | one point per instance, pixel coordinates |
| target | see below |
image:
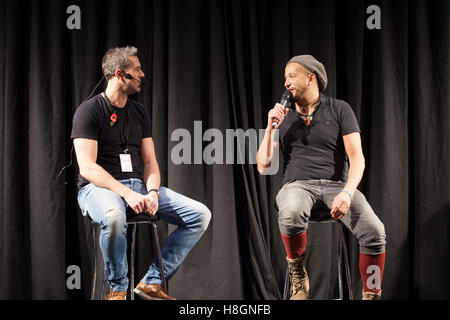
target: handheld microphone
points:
(285, 99)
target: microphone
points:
(285, 99)
(129, 76)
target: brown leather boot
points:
(371, 295)
(299, 281)
(116, 295)
(151, 292)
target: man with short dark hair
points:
(118, 169)
(316, 137)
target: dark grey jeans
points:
(296, 199)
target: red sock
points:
(371, 268)
(295, 245)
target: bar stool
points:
(321, 215)
(133, 220)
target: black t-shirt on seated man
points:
(92, 120)
(317, 151)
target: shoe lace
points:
(372, 295)
(298, 278)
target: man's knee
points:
(115, 220)
(200, 217)
(373, 240)
(205, 216)
(112, 213)
(293, 219)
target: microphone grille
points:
(287, 95)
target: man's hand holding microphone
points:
(279, 111)
(268, 145)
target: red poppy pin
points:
(113, 119)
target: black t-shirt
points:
(92, 121)
(317, 151)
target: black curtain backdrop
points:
(222, 62)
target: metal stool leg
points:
(158, 250)
(133, 227)
(133, 241)
(341, 254)
(94, 278)
(286, 285)
(341, 290)
(103, 284)
(346, 263)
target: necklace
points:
(308, 118)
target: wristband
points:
(349, 194)
(156, 190)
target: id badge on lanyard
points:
(125, 162)
(125, 158)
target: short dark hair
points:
(117, 58)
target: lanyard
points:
(124, 135)
(126, 129)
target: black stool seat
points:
(132, 217)
(320, 213)
(132, 220)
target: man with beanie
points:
(316, 136)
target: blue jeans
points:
(191, 217)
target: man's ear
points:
(311, 78)
(118, 74)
